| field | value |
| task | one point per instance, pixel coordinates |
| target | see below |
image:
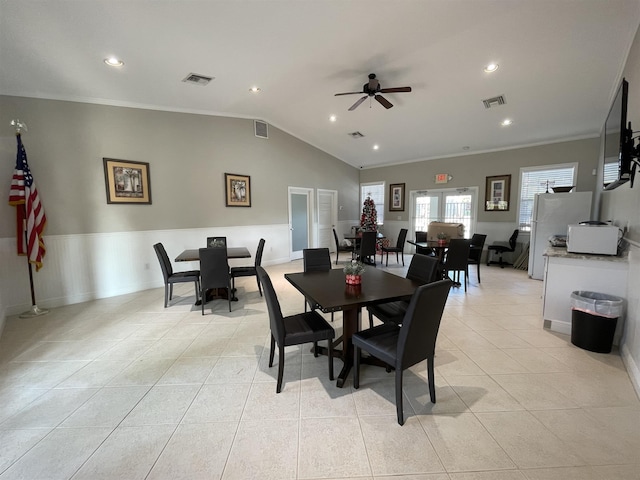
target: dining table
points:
(440, 248)
(330, 293)
(193, 255)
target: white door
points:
(300, 221)
(457, 205)
(327, 218)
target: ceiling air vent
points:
(355, 135)
(494, 102)
(261, 129)
(196, 79)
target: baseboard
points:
(632, 368)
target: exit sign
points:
(442, 177)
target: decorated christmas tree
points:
(369, 217)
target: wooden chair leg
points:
(399, 396)
(430, 375)
(280, 369)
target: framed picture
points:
(497, 193)
(127, 181)
(238, 190)
(396, 197)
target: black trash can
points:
(594, 317)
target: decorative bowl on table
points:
(563, 189)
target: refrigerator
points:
(552, 212)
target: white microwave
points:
(594, 239)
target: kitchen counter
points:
(567, 272)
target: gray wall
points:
(188, 156)
(472, 170)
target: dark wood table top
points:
(330, 292)
(193, 254)
(358, 236)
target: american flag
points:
(24, 195)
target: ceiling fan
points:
(372, 89)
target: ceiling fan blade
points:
(348, 93)
(384, 102)
(355, 105)
(395, 90)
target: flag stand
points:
(35, 311)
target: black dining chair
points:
(214, 272)
(296, 329)
(217, 242)
(316, 260)
(403, 346)
(423, 269)
(475, 253)
(499, 249)
(457, 259)
(420, 238)
(368, 248)
(171, 277)
(248, 270)
(340, 248)
(398, 249)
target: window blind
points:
(539, 180)
(376, 192)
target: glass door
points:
(454, 205)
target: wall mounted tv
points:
(618, 143)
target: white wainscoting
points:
(78, 268)
(630, 345)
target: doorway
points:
(456, 205)
(300, 221)
(327, 218)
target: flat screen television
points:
(618, 144)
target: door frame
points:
(311, 230)
(334, 213)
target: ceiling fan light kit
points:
(372, 89)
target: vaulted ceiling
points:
(559, 64)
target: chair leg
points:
(330, 355)
(272, 351)
(170, 291)
(315, 349)
(259, 286)
(370, 320)
(166, 295)
(397, 260)
(430, 375)
(229, 295)
(399, 396)
(402, 254)
(197, 285)
(280, 368)
(356, 367)
(466, 278)
(203, 299)
(478, 272)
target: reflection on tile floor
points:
(122, 388)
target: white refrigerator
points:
(552, 212)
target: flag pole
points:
(35, 311)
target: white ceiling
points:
(560, 62)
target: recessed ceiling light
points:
(113, 62)
(506, 122)
(376, 147)
(254, 90)
(492, 67)
(333, 118)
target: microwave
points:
(594, 239)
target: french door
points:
(457, 205)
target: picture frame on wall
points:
(127, 181)
(497, 193)
(396, 197)
(237, 190)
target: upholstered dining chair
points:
(398, 249)
(316, 260)
(457, 259)
(296, 329)
(414, 341)
(423, 269)
(368, 248)
(217, 242)
(248, 270)
(499, 249)
(171, 277)
(422, 237)
(340, 248)
(214, 272)
(475, 253)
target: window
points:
(376, 192)
(446, 205)
(541, 180)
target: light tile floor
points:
(123, 388)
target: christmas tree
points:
(369, 217)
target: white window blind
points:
(610, 172)
(376, 192)
(541, 180)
